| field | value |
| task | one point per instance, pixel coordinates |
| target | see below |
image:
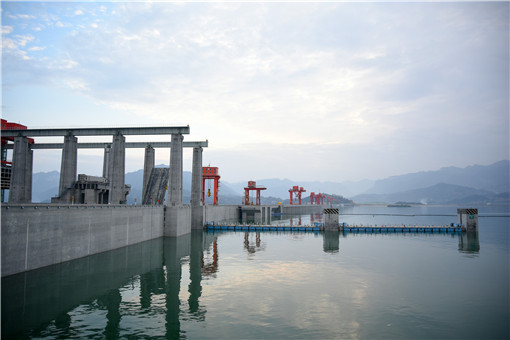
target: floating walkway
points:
(252, 227)
(453, 228)
(403, 229)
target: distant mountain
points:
(45, 186)
(494, 178)
(437, 194)
(280, 187)
(474, 183)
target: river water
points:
(275, 285)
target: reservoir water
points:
(274, 285)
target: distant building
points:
(89, 190)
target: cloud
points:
(7, 29)
(337, 76)
(37, 48)
(21, 16)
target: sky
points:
(327, 91)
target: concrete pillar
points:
(148, 165)
(21, 178)
(197, 212)
(330, 219)
(468, 219)
(28, 175)
(68, 167)
(116, 170)
(175, 185)
(106, 161)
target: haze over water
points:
(278, 285)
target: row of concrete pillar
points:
(113, 170)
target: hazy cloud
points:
(391, 81)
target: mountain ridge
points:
(486, 181)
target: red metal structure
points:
(295, 192)
(210, 172)
(332, 200)
(317, 198)
(252, 186)
(6, 165)
(11, 126)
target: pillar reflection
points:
(331, 241)
(195, 273)
(469, 242)
(151, 283)
(112, 302)
(250, 246)
(173, 249)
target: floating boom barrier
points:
(252, 227)
(369, 229)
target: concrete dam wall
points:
(38, 235)
(35, 236)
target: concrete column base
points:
(197, 217)
(331, 221)
(468, 218)
(177, 220)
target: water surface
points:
(278, 285)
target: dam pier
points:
(90, 215)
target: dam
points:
(90, 215)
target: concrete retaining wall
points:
(37, 235)
(218, 213)
(177, 220)
(303, 209)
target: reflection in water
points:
(195, 273)
(112, 302)
(317, 217)
(249, 246)
(46, 301)
(469, 242)
(140, 282)
(210, 269)
(331, 241)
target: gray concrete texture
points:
(68, 167)
(148, 164)
(175, 185)
(177, 220)
(116, 170)
(102, 145)
(157, 130)
(21, 179)
(35, 236)
(197, 212)
(468, 219)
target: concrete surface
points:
(35, 236)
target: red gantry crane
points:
(252, 186)
(317, 198)
(295, 192)
(210, 172)
(332, 200)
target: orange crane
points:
(295, 192)
(210, 172)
